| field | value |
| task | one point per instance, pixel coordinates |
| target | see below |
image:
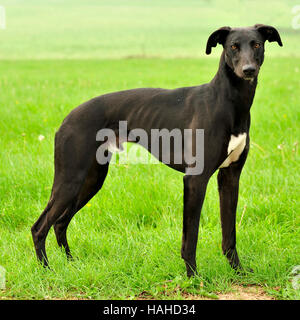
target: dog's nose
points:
(249, 70)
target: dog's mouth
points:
(249, 78)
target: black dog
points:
(221, 108)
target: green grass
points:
(127, 241)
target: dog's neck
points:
(241, 92)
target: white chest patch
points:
(235, 148)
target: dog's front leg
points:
(194, 193)
(228, 184)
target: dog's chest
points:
(236, 146)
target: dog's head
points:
(244, 47)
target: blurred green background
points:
(70, 29)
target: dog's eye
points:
(257, 45)
(233, 47)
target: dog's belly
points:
(235, 148)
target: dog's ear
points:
(269, 33)
(219, 36)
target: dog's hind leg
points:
(62, 199)
(38, 237)
(91, 186)
(72, 164)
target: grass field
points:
(126, 241)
